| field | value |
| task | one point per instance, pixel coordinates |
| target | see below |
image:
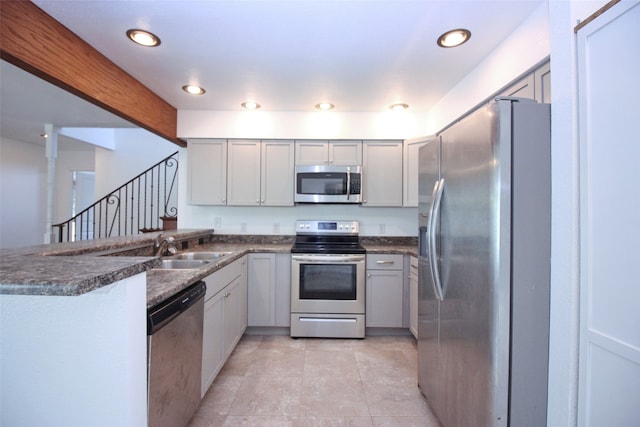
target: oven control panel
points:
(327, 227)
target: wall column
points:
(52, 155)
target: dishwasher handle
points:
(161, 314)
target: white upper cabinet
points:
(207, 171)
(542, 78)
(523, 88)
(323, 152)
(410, 169)
(277, 173)
(243, 185)
(382, 173)
(536, 85)
(260, 173)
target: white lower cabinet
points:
(269, 289)
(385, 290)
(224, 318)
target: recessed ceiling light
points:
(454, 38)
(250, 105)
(324, 106)
(193, 89)
(398, 107)
(144, 38)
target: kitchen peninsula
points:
(73, 331)
(73, 321)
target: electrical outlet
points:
(217, 222)
(382, 228)
(276, 228)
(243, 227)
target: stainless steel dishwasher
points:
(174, 356)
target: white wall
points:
(23, 199)
(23, 179)
(508, 62)
(316, 125)
(135, 150)
(563, 363)
(525, 48)
(75, 360)
(68, 161)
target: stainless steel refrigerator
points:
(484, 266)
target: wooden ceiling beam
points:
(37, 43)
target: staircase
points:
(146, 203)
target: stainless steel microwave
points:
(328, 184)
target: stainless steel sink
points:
(201, 255)
(181, 264)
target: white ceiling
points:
(361, 55)
(27, 103)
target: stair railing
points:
(136, 207)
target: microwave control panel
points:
(355, 184)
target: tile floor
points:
(280, 381)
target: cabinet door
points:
(261, 289)
(345, 153)
(384, 296)
(212, 340)
(243, 186)
(277, 173)
(382, 170)
(282, 298)
(207, 171)
(232, 316)
(243, 294)
(542, 81)
(312, 152)
(524, 88)
(410, 169)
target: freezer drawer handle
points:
(328, 320)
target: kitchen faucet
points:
(161, 242)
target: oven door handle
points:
(327, 258)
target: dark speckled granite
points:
(75, 268)
(390, 245)
(80, 267)
(162, 284)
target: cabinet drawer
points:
(385, 262)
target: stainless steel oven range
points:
(327, 280)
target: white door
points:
(609, 90)
(83, 186)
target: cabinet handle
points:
(227, 294)
(385, 262)
(368, 274)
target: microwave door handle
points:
(348, 183)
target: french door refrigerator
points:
(484, 246)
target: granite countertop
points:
(80, 267)
(75, 268)
(161, 284)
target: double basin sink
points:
(191, 260)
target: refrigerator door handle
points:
(434, 217)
